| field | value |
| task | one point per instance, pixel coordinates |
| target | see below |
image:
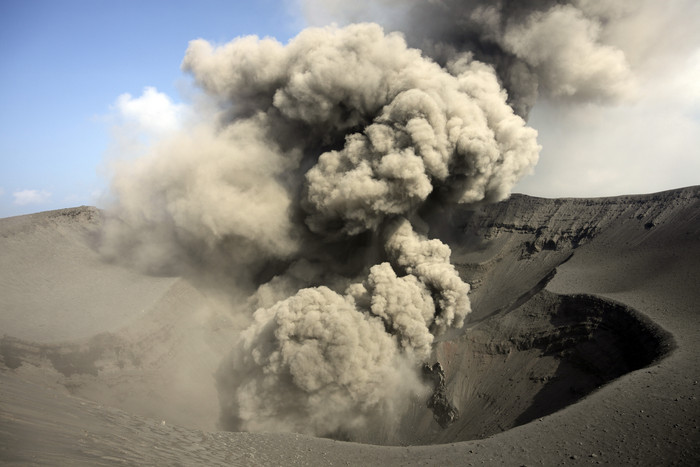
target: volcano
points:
(581, 346)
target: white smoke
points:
(301, 185)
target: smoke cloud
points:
(584, 66)
(304, 186)
(558, 49)
(324, 363)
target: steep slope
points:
(72, 321)
(56, 287)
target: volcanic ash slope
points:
(581, 348)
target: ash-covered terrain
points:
(580, 348)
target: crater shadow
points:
(536, 359)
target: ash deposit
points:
(586, 340)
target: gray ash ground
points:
(582, 348)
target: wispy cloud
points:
(137, 122)
(153, 112)
(24, 197)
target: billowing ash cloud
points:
(305, 185)
(554, 48)
(324, 363)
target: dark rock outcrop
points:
(443, 411)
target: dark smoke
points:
(305, 187)
(551, 48)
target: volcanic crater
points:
(527, 350)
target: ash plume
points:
(559, 49)
(304, 188)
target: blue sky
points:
(65, 63)
(71, 69)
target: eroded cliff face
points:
(509, 247)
